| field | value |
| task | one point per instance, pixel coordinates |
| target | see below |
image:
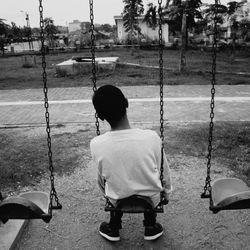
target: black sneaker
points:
(153, 232)
(108, 233)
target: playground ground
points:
(187, 221)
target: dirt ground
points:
(187, 221)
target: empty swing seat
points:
(229, 193)
(29, 205)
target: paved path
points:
(170, 99)
(73, 105)
(130, 91)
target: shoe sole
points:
(110, 238)
(153, 237)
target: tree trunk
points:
(183, 43)
(2, 48)
(233, 44)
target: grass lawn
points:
(14, 76)
(24, 151)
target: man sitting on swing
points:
(128, 161)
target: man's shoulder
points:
(149, 132)
(149, 135)
(98, 139)
(144, 133)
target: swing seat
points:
(29, 205)
(229, 194)
(134, 204)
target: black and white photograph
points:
(125, 124)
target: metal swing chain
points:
(53, 192)
(92, 28)
(161, 95)
(207, 187)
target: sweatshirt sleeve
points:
(167, 185)
(91, 146)
(100, 179)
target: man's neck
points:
(121, 125)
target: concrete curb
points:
(11, 232)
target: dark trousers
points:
(116, 219)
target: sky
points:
(64, 11)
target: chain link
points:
(53, 193)
(161, 95)
(207, 187)
(92, 29)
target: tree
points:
(2, 44)
(50, 31)
(106, 28)
(233, 22)
(182, 16)
(201, 26)
(210, 19)
(3, 27)
(151, 16)
(26, 32)
(174, 14)
(184, 37)
(4, 31)
(132, 10)
(15, 33)
(244, 27)
(35, 31)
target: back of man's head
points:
(110, 103)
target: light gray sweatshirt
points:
(129, 163)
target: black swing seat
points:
(229, 194)
(29, 205)
(134, 204)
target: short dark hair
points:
(110, 103)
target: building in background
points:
(77, 25)
(147, 33)
(74, 26)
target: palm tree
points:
(132, 10)
(151, 16)
(182, 16)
